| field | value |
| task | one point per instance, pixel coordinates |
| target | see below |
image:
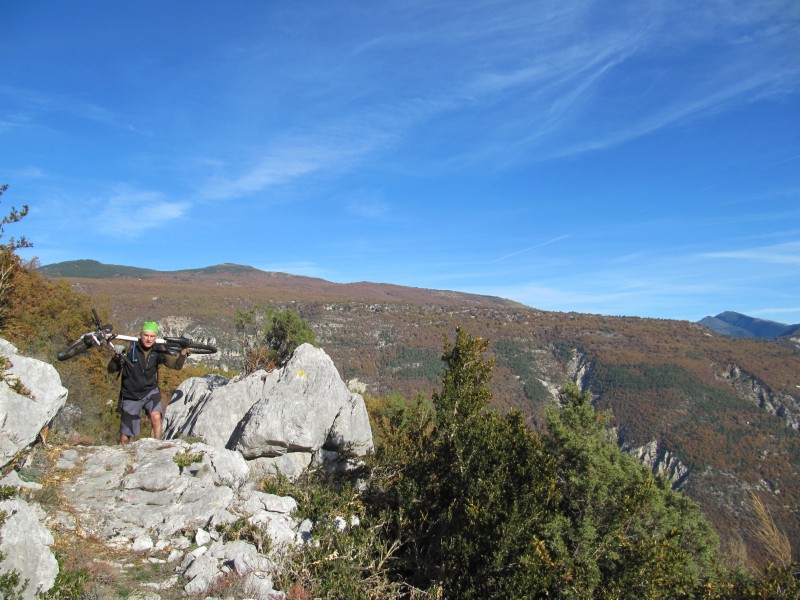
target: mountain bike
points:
(103, 336)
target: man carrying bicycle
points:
(139, 390)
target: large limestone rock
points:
(25, 547)
(29, 405)
(303, 409)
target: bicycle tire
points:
(79, 346)
(175, 344)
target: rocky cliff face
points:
(661, 462)
(782, 405)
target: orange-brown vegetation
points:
(660, 379)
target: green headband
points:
(150, 326)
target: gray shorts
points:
(131, 412)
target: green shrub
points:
(319, 497)
(10, 585)
(9, 259)
(242, 529)
(10, 588)
(269, 337)
(186, 458)
(70, 583)
(348, 558)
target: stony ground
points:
(86, 490)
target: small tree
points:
(9, 261)
(284, 332)
(617, 531)
(466, 496)
(268, 338)
(464, 383)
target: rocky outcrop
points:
(780, 404)
(661, 462)
(579, 370)
(283, 420)
(173, 501)
(154, 496)
(30, 396)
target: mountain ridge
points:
(243, 274)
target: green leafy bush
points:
(185, 459)
(269, 337)
(10, 588)
(9, 259)
(242, 529)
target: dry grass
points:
(774, 541)
(735, 550)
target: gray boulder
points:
(303, 408)
(211, 407)
(25, 546)
(31, 395)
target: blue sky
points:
(638, 160)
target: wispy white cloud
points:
(33, 108)
(130, 213)
(30, 173)
(780, 254)
(366, 205)
(292, 158)
(683, 285)
(786, 310)
(567, 93)
(677, 112)
(505, 84)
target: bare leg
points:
(155, 421)
(124, 439)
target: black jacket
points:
(140, 368)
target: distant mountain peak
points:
(739, 325)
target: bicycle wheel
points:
(79, 346)
(175, 344)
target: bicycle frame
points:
(120, 336)
(102, 336)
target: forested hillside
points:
(725, 408)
